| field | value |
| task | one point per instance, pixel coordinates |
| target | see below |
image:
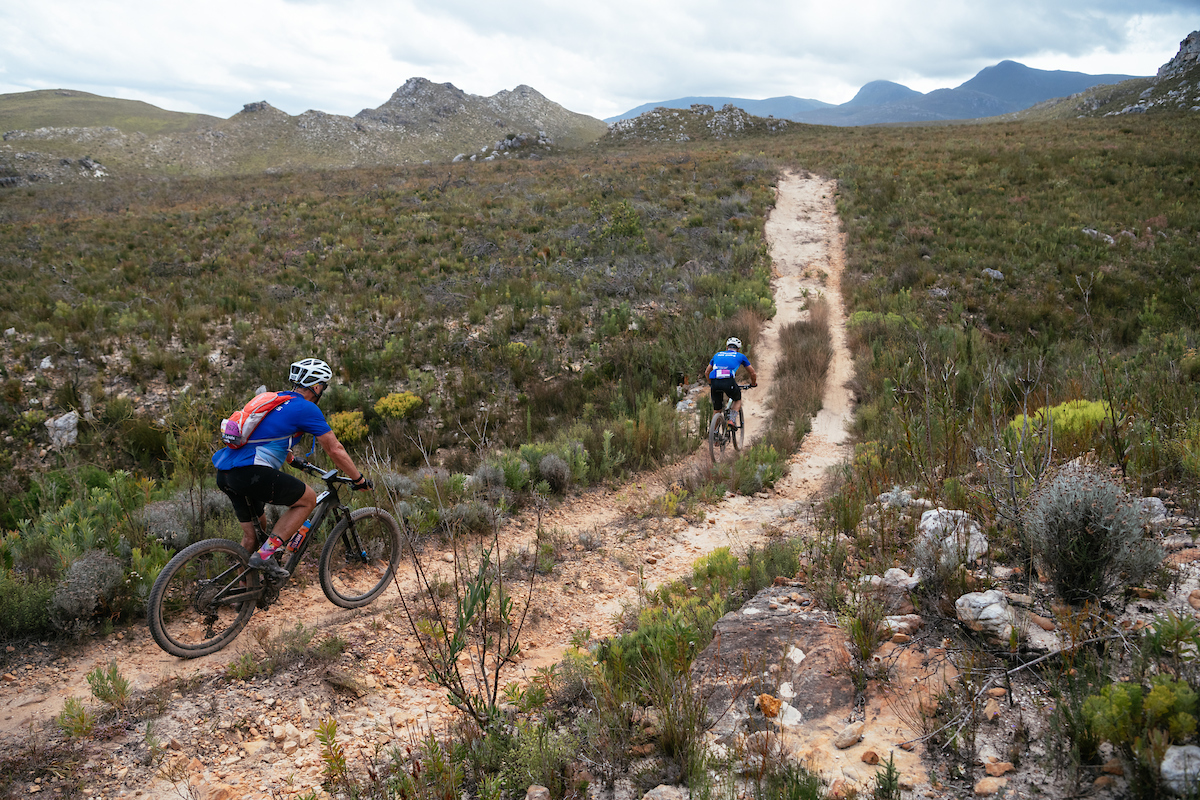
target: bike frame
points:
(256, 583)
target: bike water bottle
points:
(298, 537)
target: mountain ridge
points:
(422, 121)
(1003, 88)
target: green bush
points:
(1142, 725)
(1089, 536)
(1075, 424)
(24, 605)
(777, 558)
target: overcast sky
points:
(600, 58)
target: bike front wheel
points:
(739, 436)
(717, 436)
(202, 599)
(360, 557)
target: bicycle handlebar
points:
(330, 476)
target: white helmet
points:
(733, 341)
(309, 372)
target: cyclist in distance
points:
(721, 374)
(251, 476)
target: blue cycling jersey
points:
(276, 429)
(725, 364)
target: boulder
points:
(1180, 770)
(987, 613)
(64, 430)
(739, 664)
(953, 536)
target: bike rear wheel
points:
(360, 557)
(717, 436)
(202, 599)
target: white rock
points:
(958, 538)
(1180, 770)
(988, 613)
(64, 430)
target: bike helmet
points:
(309, 372)
(734, 341)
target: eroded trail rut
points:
(235, 742)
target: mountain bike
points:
(206, 594)
(721, 434)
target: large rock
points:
(1180, 770)
(949, 537)
(784, 648)
(64, 430)
(987, 613)
(785, 651)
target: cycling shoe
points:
(270, 566)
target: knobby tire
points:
(360, 557)
(716, 436)
(193, 608)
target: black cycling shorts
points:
(249, 489)
(719, 386)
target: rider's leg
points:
(299, 511)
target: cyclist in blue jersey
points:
(721, 374)
(251, 477)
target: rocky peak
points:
(1187, 57)
(261, 109)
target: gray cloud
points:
(597, 58)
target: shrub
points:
(1075, 424)
(555, 472)
(109, 685)
(397, 405)
(166, 521)
(349, 426)
(1142, 725)
(90, 586)
(1089, 535)
(24, 605)
(776, 558)
(540, 756)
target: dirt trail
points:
(588, 590)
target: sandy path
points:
(589, 588)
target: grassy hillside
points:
(68, 108)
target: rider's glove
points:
(362, 484)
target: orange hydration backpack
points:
(236, 431)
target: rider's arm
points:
(337, 453)
(753, 375)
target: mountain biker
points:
(251, 477)
(721, 374)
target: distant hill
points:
(1001, 89)
(67, 108)
(780, 107)
(64, 135)
(1172, 90)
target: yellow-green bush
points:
(1076, 424)
(349, 426)
(397, 405)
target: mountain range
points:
(1004, 88)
